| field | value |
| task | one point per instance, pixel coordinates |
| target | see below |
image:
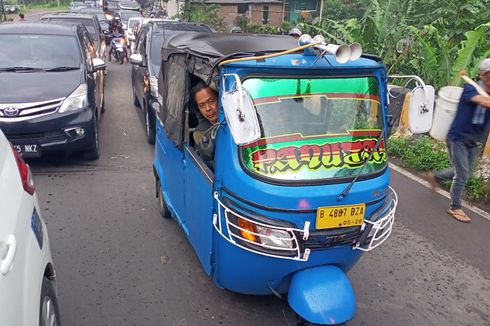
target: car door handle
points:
(7, 263)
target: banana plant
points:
(466, 55)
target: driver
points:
(205, 132)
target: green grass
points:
(423, 153)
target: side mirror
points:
(98, 64)
(241, 116)
(136, 59)
(421, 109)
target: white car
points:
(27, 276)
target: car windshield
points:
(112, 4)
(320, 128)
(126, 15)
(38, 51)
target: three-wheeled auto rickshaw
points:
(298, 187)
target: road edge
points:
(441, 192)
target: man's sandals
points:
(459, 215)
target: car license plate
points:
(340, 216)
(28, 150)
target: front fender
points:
(322, 295)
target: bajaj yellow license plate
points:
(340, 216)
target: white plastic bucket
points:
(445, 111)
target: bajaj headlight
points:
(269, 237)
(76, 100)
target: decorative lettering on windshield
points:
(316, 128)
(324, 154)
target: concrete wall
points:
(228, 13)
(255, 14)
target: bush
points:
(419, 153)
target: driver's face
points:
(207, 102)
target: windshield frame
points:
(321, 181)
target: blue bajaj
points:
(297, 187)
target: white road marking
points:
(440, 191)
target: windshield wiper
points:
(345, 192)
(62, 68)
(20, 68)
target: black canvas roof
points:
(216, 47)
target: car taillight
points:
(25, 173)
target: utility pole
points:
(321, 10)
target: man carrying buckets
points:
(464, 139)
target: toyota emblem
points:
(11, 111)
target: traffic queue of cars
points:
(52, 96)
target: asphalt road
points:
(119, 263)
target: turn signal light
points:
(248, 227)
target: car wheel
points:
(48, 311)
(164, 212)
(102, 103)
(149, 126)
(93, 153)
(135, 99)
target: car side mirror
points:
(98, 64)
(136, 59)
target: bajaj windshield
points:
(313, 129)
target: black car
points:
(146, 65)
(125, 15)
(103, 22)
(51, 95)
(88, 20)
